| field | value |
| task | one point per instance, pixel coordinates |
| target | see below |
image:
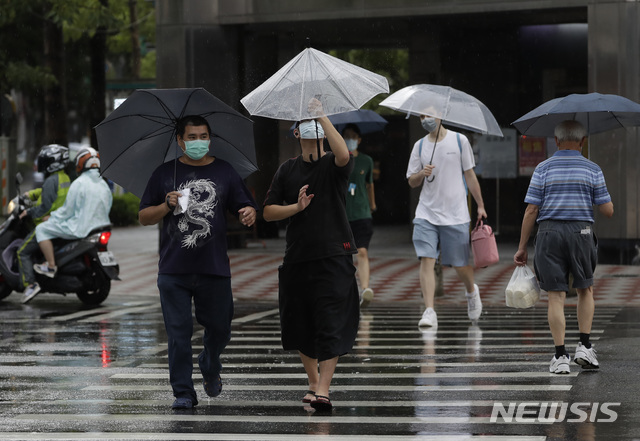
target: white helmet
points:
(87, 158)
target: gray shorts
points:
(563, 248)
(452, 241)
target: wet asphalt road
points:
(68, 372)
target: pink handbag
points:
(483, 245)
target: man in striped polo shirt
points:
(561, 196)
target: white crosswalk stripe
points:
(107, 376)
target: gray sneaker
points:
(586, 357)
(45, 270)
(559, 365)
(31, 291)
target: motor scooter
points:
(85, 266)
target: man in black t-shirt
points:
(318, 292)
(193, 253)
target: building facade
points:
(512, 55)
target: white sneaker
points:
(366, 297)
(31, 291)
(559, 365)
(429, 318)
(586, 357)
(45, 270)
(474, 304)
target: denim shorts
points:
(449, 241)
(563, 248)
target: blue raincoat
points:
(87, 207)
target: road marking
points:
(302, 375)
(256, 316)
(98, 436)
(507, 347)
(270, 419)
(266, 403)
(92, 312)
(368, 364)
(369, 388)
(419, 339)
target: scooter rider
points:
(87, 207)
(52, 161)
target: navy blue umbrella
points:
(367, 121)
(596, 112)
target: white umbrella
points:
(446, 103)
(340, 87)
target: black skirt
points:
(319, 306)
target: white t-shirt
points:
(444, 200)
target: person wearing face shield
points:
(190, 197)
(85, 208)
(318, 291)
(442, 163)
(361, 203)
(52, 161)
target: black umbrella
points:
(140, 134)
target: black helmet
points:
(52, 157)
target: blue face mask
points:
(352, 144)
(308, 130)
(196, 149)
(429, 124)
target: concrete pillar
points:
(614, 67)
(193, 50)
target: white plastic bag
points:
(523, 290)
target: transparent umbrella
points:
(338, 85)
(446, 103)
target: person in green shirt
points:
(360, 204)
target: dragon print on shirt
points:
(200, 211)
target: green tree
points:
(55, 51)
(390, 63)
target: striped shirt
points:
(566, 187)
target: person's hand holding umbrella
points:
(338, 146)
(428, 170)
(172, 199)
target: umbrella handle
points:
(433, 152)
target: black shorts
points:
(319, 306)
(362, 230)
(564, 248)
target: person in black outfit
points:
(318, 292)
(194, 266)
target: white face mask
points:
(352, 144)
(308, 130)
(429, 124)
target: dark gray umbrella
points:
(140, 134)
(367, 121)
(596, 112)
